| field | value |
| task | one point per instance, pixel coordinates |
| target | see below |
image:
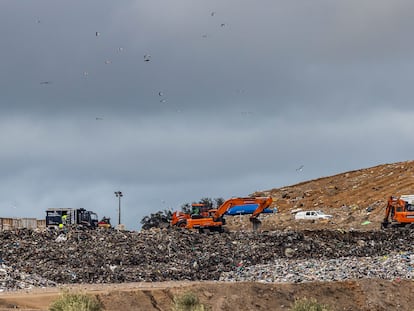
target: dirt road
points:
(350, 295)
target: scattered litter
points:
(49, 257)
(61, 238)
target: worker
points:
(60, 226)
(64, 219)
(196, 210)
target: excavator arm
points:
(385, 221)
(265, 202)
(229, 204)
(262, 202)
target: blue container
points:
(246, 209)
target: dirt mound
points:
(357, 199)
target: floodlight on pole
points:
(119, 194)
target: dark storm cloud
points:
(322, 84)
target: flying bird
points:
(45, 82)
(147, 58)
(99, 118)
(222, 25)
(300, 168)
(163, 101)
(97, 34)
(213, 13)
(108, 62)
(160, 94)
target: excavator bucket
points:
(256, 223)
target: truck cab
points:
(71, 216)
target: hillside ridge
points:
(352, 197)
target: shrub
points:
(188, 302)
(308, 305)
(76, 302)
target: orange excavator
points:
(399, 212)
(206, 220)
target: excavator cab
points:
(198, 211)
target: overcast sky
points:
(172, 101)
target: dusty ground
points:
(364, 295)
(346, 196)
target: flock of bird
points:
(147, 58)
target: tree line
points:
(162, 218)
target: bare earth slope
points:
(347, 196)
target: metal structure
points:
(119, 194)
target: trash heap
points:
(110, 256)
(14, 279)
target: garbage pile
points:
(390, 267)
(14, 279)
(111, 256)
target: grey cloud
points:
(321, 83)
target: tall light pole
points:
(119, 194)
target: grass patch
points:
(188, 302)
(76, 302)
(308, 305)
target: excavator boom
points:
(230, 203)
(265, 203)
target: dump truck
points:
(399, 212)
(206, 220)
(58, 217)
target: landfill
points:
(41, 258)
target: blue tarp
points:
(246, 209)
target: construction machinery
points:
(105, 222)
(399, 212)
(59, 217)
(206, 220)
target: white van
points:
(312, 215)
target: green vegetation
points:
(76, 302)
(308, 305)
(188, 302)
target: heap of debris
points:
(110, 256)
